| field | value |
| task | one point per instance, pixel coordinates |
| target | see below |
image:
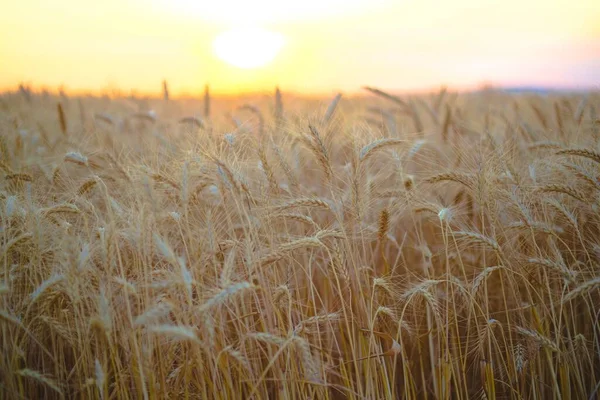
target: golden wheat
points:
(435, 254)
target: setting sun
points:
(248, 47)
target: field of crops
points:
(282, 247)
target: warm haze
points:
(320, 46)
(200, 206)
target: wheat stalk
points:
(565, 189)
(369, 150)
(316, 320)
(463, 179)
(160, 310)
(39, 377)
(585, 153)
(100, 377)
(387, 96)
(305, 202)
(331, 108)
(582, 289)
(176, 332)
(280, 251)
(192, 121)
(66, 208)
(76, 158)
(478, 238)
(308, 362)
(227, 293)
(5, 316)
(268, 338)
(87, 186)
(580, 173)
(14, 242)
(62, 119)
(541, 339)
(305, 219)
(481, 278)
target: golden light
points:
(248, 47)
(266, 11)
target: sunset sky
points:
(326, 45)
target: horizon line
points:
(183, 94)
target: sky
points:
(327, 45)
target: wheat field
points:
(440, 246)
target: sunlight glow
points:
(248, 47)
(320, 46)
(267, 11)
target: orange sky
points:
(329, 44)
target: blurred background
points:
(310, 46)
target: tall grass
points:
(449, 249)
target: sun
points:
(248, 47)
